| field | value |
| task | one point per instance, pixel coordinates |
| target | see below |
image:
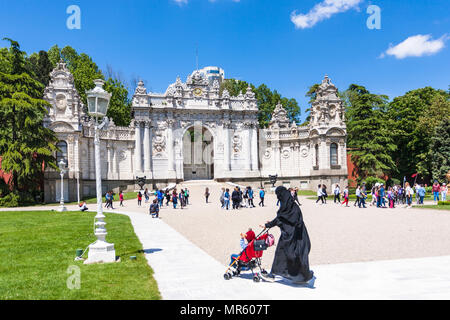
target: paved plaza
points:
(356, 253)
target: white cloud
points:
(321, 11)
(181, 2)
(416, 46)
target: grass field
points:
(91, 200)
(37, 248)
(436, 207)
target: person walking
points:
(207, 194)
(444, 191)
(436, 189)
(362, 197)
(291, 259)
(245, 198)
(182, 199)
(324, 193)
(250, 197)
(262, 194)
(422, 193)
(139, 198)
(186, 194)
(337, 194)
(226, 199)
(167, 197)
(236, 198)
(408, 193)
(146, 195)
(121, 198)
(358, 195)
(222, 198)
(174, 198)
(319, 193)
(346, 197)
(107, 200)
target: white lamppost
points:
(62, 171)
(98, 101)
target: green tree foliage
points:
(26, 146)
(412, 119)
(267, 100)
(368, 133)
(440, 150)
(40, 66)
(120, 106)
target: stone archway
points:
(198, 154)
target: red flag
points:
(414, 175)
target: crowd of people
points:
(240, 199)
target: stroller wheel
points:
(264, 272)
(256, 279)
(226, 276)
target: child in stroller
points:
(250, 256)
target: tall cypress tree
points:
(368, 133)
(440, 150)
(25, 145)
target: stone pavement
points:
(185, 272)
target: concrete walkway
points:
(185, 272)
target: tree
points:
(368, 134)
(412, 118)
(120, 106)
(440, 150)
(311, 94)
(25, 145)
(266, 99)
(41, 67)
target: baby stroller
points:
(250, 257)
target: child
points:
(249, 236)
(345, 197)
(139, 197)
(121, 198)
(154, 209)
(83, 206)
(174, 198)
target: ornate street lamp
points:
(98, 101)
(62, 171)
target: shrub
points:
(371, 181)
(444, 203)
(16, 199)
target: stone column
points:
(248, 143)
(254, 147)
(277, 155)
(170, 143)
(130, 157)
(138, 152)
(226, 146)
(147, 147)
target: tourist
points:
(226, 199)
(373, 193)
(107, 200)
(444, 191)
(139, 197)
(207, 194)
(182, 198)
(408, 193)
(337, 194)
(160, 196)
(146, 195)
(83, 206)
(174, 198)
(262, 194)
(154, 209)
(324, 193)
(111, 199)
(416, 188)
(167, 197)
(241, 197)
(358, 195)
(121, 198)
(222, 198)
(236, 198)
(291, 255)
(390, 196)
(245, 197)
(362, 196)
(381, 194)
(319, 193)
(346, 197)
(186, 194)
(250, 197)
(421, 193)
(436, 189)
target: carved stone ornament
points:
(159, 143)
(304, 152)
(237, 143)
(267, 154)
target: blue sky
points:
(286, 44)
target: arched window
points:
(317, 155)
(62, 154)
(334, 154)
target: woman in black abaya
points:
(291, 256)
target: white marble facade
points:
(228, 144)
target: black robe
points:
(291, 256)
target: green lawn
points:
(92, 200)
(36, 249)
(436, 207)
